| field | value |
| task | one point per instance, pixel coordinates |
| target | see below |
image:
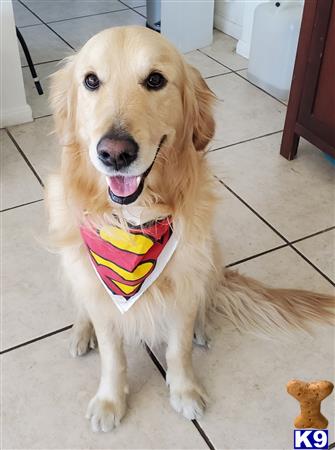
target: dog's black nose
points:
(117, 150)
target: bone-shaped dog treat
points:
(310, 395)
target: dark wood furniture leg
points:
(290, 139)
(289, 143)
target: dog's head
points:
(123, 101)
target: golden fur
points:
(180, 184)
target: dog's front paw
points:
(82, 340)
(105, 415)
(190, 402)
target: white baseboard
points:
(228, 27)
(243, 49)
(15, 116)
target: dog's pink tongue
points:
(123, 186)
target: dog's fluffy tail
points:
(252, 306)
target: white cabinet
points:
(187, 24)
(14, 107)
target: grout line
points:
(25, 158)
(278, 233)
(42, 117)
(236, 72)
(23, 204)
(28, 26)
(218, 75)
(203, 434)
(211, 57)
(163, 373)
(246, 140)
(133, 9)
(82, 17)
(137, 12)
(155, 361)
(265, 92)
(248, 258)
(87, 15)
(313, 234)
(31, 341)
(44, 23)
(313, 265)
(279, 247)
(40, 63)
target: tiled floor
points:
(276, 223)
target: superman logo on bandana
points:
(128, 262)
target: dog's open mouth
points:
(125, 189)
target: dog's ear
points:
(63, 101)
(198, 105)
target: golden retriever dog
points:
(131, 212)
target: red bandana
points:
(128, 262)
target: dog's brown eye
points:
(155, 81)
(92, 82)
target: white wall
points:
(13, 104)
(228, 16)
(235, 17)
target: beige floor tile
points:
(39, 103)
(22, 16)
(243, 111)
(244, 74)
(78, 31)
(249, 371)
(247, 381)
(296, 197)
(240, 232)
(285, 268)
(43, 45)
(46, 393)
(205, 65)
(320, 250)
(65, 9)
(245, 375)
(35, 300)
(18, 183)
(40, 146)
(223, 49)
